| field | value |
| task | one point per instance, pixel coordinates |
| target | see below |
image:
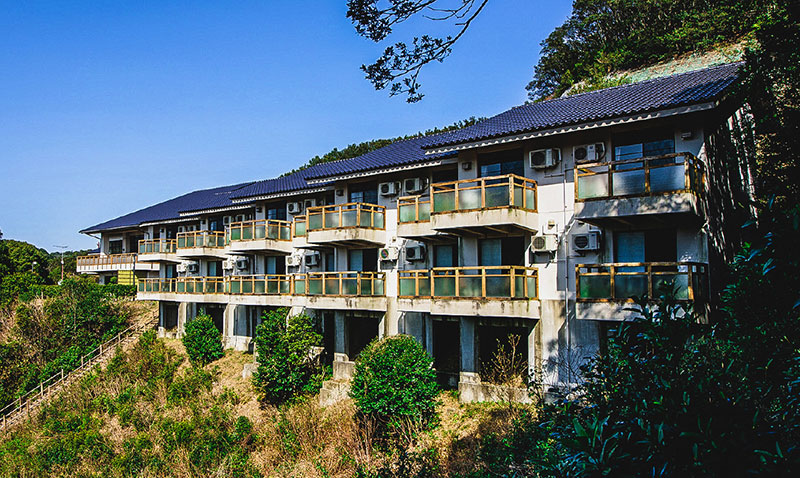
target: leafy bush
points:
(203, 341)
(286, 369)
(394, 383)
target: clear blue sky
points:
(108, 107)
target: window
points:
(215, 268)
(170, 271)
(366, 193)
(277, 211)
(362, 260)
(444, 255)
(330, 262)
(655, 245)
(115, 247)
(643, 145)
(445, 175)
(215, 224)
(501, 163)
(275, 265)
(504, 251)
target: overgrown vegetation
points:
(394, 385)
(604, 36)
(203, 341)
(51, 327)
(288, 369)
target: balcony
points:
(414, 220)
(485, 206)
(342, 290)
(156, 289)
(264, 289)
(486, 291)
(158, 250)
(111, 263)
(201, 244)
(635, 192)
(348, 225)
(605, 291)
(262, 235)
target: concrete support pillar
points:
(428, 321)
(532, 365)
(469, 360)
(390, 323)
(183, 313)
(228, 324)
(340, 336)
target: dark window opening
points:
(364, 193)
(445, 175)
(445, 255)
(364, 260)
(654, 245)
(361, 331)
(115, 247)
(502, 251)
(643, 145)
(501, 163)
(514, 343)
(277, 212)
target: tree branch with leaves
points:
(399, 66)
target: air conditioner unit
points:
(229, 264)
(544, 158)
(312, 260)
(181, 267)
(388, 254)
(293, 260)
(226, 220)
(389, 189)
(240, 218)
(294, 208)
(544, 243)
(415, 253)
(242, 263)
(192, 267)
(589, 153)
(586, 242)
(309, 203)
(414, 185)
(190, 229)
(181, 229)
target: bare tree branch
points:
(400, 65)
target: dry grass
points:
(300, 440)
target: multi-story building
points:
(540, 223)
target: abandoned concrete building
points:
(539, 223)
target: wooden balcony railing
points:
(299, 228)
(158, 246)
(479, 282)
(623, 281)
(270, 284)
(211, 239)
(105, 260)
(156, 285)
(670, 173)
(363, 284)
(509, 191)
(350, 215)
(259, 229)
(200, 285)
(414, 209)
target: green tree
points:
(203, 341)
(286, 369)
(394, 383)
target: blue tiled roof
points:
(400, 153)
(291, 182)
(171, 209)
(683, 89)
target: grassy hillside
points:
(149, 413)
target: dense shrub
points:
(203, 341)
(286, 369)
(394, 383)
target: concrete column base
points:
(471, 389)
(240, 343)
